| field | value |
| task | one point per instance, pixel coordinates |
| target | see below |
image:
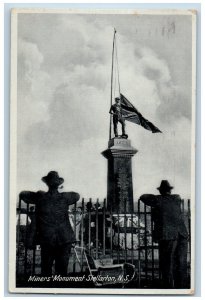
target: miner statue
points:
(116, 111)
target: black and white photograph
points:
(102, 151)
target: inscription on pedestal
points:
(119, 141)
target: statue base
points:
(119, 180)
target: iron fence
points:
(105, 235)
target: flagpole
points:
(113, 49)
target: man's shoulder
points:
(41, 193)
(70, 197)
(177, 197)
(173, 197)
(31, 193)
(69, 194)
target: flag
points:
(130, 113)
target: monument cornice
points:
(119, 147)
(119, 152)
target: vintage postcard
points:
(102, 165)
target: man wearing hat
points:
(116, 111)
(171, 234)
(53, 226)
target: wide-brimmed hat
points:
(52, 178)
(165, 185)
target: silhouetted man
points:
(171, 234)
(54, 229)
(116, 111)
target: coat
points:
(167, 216)
(52, 221)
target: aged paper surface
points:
(117, 233)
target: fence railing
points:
(121, 237)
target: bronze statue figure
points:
(116, 111)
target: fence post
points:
(26, 242)
(145, 241)
(34, 251)
(82, 232)
(111, 231)
(153, 263)
(96, 229)
(118, 236)
(18, 235)
(74, 221)
(89, 226)
(125, 235)
(139, 242)
(82, 223)
(104, 226)
(189, 233)
(132, 242)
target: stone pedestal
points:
(119, 181)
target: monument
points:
(120, 151)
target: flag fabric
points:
(130, 113)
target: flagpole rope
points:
(118, 72)
(115, 75)
(113, 49)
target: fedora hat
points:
(165, 185)
(52, 178)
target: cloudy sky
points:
(64, 64)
